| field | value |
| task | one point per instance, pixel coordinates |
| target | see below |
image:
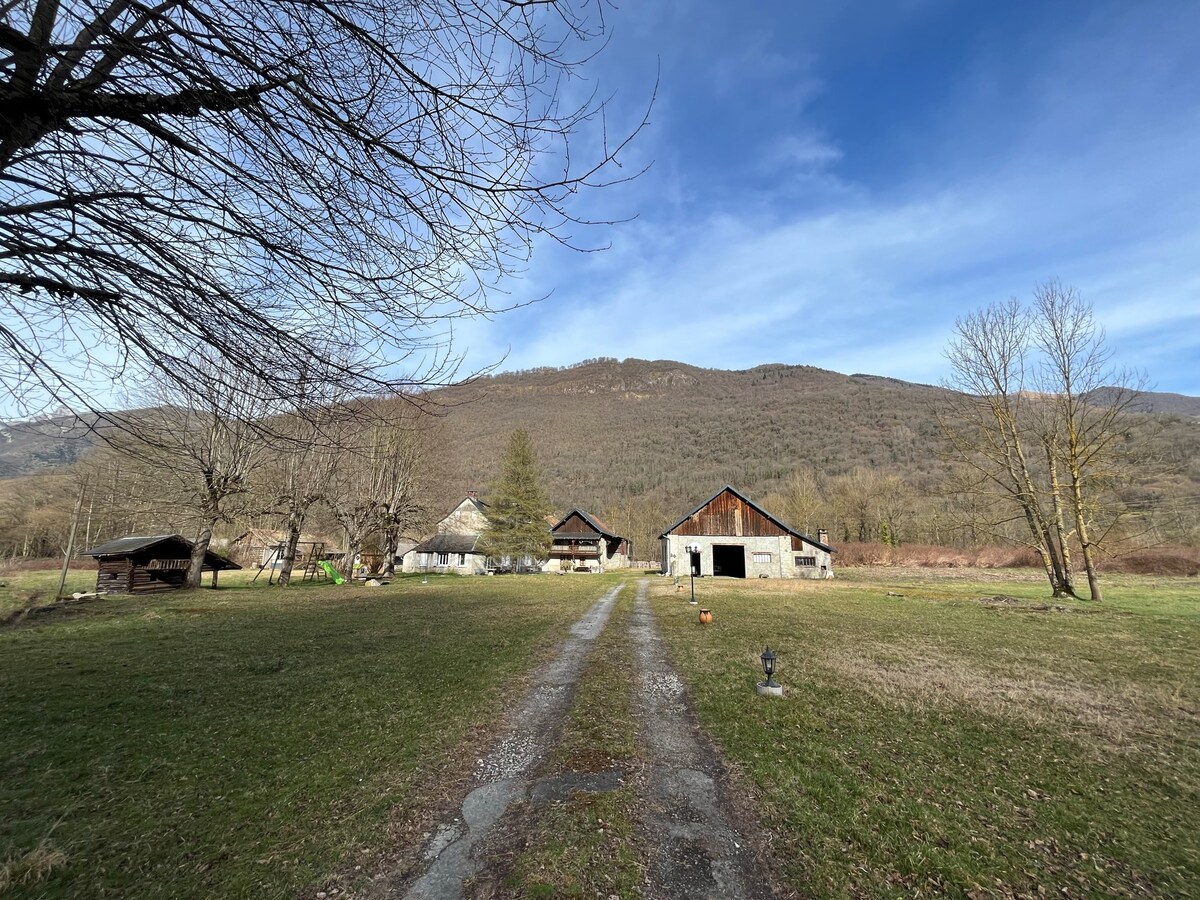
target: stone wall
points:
(781, 562)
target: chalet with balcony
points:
(583, 543)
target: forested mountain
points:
(610, 434)
(639, 441)
(607, 429)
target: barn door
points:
(729, 560)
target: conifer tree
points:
(518, 506)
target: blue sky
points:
(834, 185)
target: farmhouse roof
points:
(448, 543)
(778, 521)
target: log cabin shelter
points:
(737, 538)
(150, 564)
(583, 543)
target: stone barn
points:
(740, 539)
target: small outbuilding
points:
(583, 543)
(737, 538)
(150, 564)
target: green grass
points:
(933, 744)
(248, 741)
(586, 846)
(19, 590)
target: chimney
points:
(473, 495)
(822, 536)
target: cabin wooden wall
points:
(124, 575)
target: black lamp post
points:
(768, 663)
(693, 550)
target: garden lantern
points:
(693, 550)
(768, 661)
(770, 687)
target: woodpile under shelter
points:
(737, 538)
(582, 543)
(150, 564)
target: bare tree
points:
(1043, 377)
(258, 178)
(1091, 401)
(801, 500)
(202, 446)
(981, 419)
(294, 476)
(403, 506)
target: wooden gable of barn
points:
(729, 514)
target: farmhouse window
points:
(462, 559)
(806, 560)
(762, 557)
(443, 559)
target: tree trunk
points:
(288, 562)
(199, 551)
(1081, 528)
(391, 543)
(1063, 539)
(353, 545)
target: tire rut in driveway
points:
(695, 847)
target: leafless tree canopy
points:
(272, 178)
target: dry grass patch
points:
(930, 744)
(32, 866)
(1121, 717)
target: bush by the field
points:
(1154, 561)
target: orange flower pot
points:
(705, 616)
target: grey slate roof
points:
(448, 543)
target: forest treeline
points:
(640, 443)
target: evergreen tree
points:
(518, 506)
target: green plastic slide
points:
(332, 572)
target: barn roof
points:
(599, 527)
(448, 543)
(778, 521)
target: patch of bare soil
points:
(1004, 601)
(36, 611)
(1118, 719)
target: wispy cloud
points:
(1089, 171)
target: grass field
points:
(930, 743)
(247, 742)
(255, 741)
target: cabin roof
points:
(778, 521)
(135, 543)
(132, 544)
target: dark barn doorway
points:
(729, 560)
